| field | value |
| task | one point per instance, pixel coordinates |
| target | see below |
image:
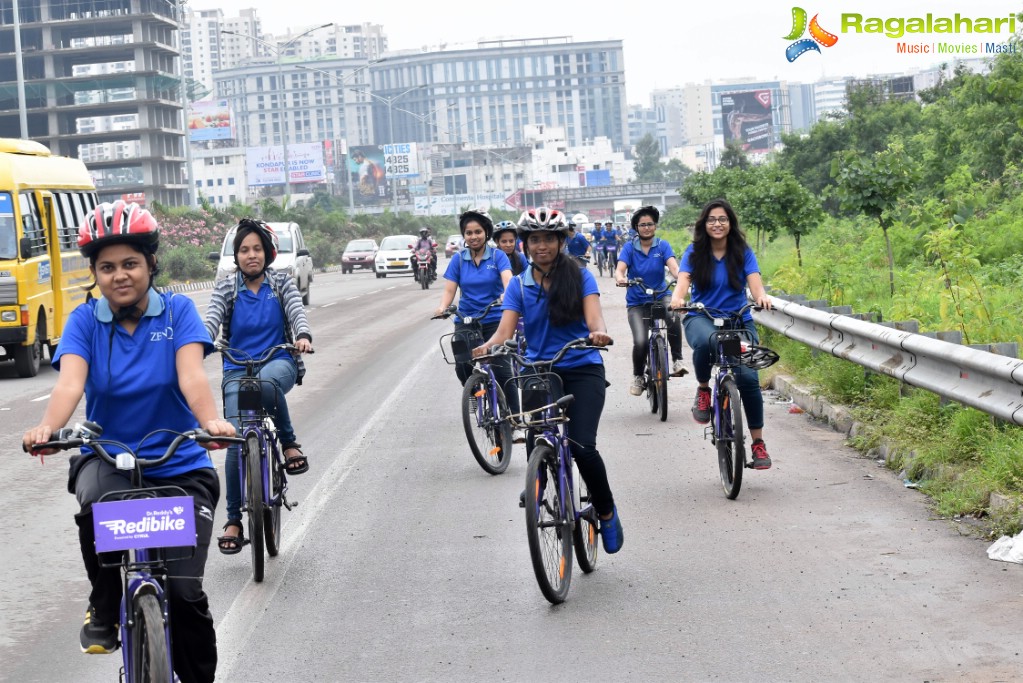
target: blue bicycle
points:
(484, 405)
(560, 514)
(261, 467)
(144, 521)
(732, 346)
(658, 366)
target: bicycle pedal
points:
(708, 433)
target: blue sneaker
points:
(611, 533)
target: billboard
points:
(265, 165)
(210, 120)
(598, 178)
(746, 118)
(366, 172)
(401, 160)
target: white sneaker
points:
(638, 386)
(678, 369)
(518, 436)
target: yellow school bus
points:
(43, 200)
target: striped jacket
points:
(218, 314)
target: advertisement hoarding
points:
(265, 165)
(367, 175)
(401, 160)
(746, 118)
(210, 120)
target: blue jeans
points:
(282, 372)
(698, 331)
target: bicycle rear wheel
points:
(550, 544)
(731, 451)
(272, 512)
(150, 661)
(584, 535)
(490, 441)
(254, 504)
(660, 376)
(600, 263)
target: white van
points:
(292, 257)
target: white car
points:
(395, 255)
(292, 257)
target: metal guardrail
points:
(986, 381)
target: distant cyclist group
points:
(136, 355)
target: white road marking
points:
(330, 304)
(352, 298)
(41, 398)
(236, 630)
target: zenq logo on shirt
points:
(167, 333)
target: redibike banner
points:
(144, 523)
(265, 165)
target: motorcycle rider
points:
(425, 243)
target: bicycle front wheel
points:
(272, 512)
(489, 440)
(254, 503)
(660, 376)
(550, 543)
(150, 659)
(731, 451)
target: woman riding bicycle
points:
(137, 356)
(645, 258)
(257, 308)
(560, 302)
(481, 273)
(507, 238)
(720, 265)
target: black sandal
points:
(229, 545)
(296, 464)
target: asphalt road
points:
(405, 561)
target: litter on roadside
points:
(1007, 549)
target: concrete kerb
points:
(841, 420)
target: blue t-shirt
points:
(480, 284)
(721, 294)
(257, 323)
(527, 298)
(609, 237)
(523, 261)
(132, 385)
(646, 267)
(578, 245)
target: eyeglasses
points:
(720, 220)
(646, 225)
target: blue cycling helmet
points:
(504, 226)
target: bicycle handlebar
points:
(582, 343)
(88, 434)
(453, 310)
(717, 313)
(263, 358)
(638, 282)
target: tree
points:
(772, 201)
(648, 165)
(734, 156)
(873, 186)
(676, 172)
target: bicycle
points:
(657, 371)
(483, 404)
(601, 258)
(144, 521)
(611, 256)
(733, 347)
(561, 516)
(261, 467)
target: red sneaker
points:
(701, 408)
(761, 460)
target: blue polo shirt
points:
(479, 284)
(257, 323)
(523, 261)
(578, 245)
(721, 295)
(527, 298)
(647, 267)
(132, 385)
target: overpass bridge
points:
(600, 200)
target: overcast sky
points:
(667, 43)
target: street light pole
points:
(279, 49)
(20, 70)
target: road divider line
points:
(352, 298)
(41, 398)
(330, 304)
(236, 629)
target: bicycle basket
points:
(758, 357)
(730, 344)
(250, 396)
(537, 391)
(463, 342)
(658, 312)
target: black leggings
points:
(502, 368)
(639, 322)
(192, 636)
(589, 387)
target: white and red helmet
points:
(118, 222)
(542, 219)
